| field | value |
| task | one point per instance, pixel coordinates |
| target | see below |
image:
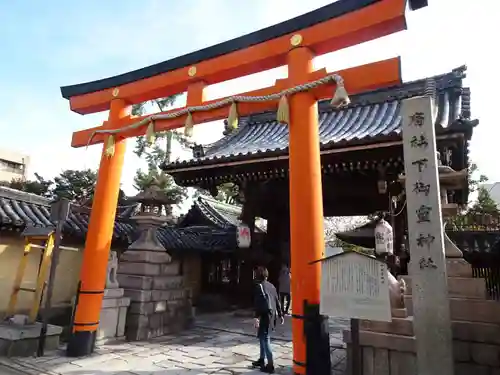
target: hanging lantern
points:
(383, 238)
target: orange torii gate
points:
(293, 43)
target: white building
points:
(13, 165)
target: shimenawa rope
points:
(339, 99)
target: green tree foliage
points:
(483, 211)
(228, 193)
(484, 203)
(38, 186)
(75, 185)
(475, 182)
(158, 153)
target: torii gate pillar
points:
(98, 243)
(306, 222)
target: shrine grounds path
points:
(218, 344)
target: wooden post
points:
(98, 242)
(306, 206)
(431, 308)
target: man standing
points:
(284, 288)
(267, 310)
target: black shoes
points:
(268, 369)
(258, 363)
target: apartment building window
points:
(10, 166)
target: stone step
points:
(383, 340)
(458, 268)
(398, 326)
(399, 313)
(460, 287)
(137, 295)
(487, 333)
(472, 310)
(477, 352)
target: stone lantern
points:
(151, 278)
(155, 211)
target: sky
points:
(46, 45)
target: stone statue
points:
(397, 289)
(111, 281)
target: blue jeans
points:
(265, 347)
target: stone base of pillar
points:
(113, 316)
(19, 339)
(389, 347)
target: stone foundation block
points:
(135, 282)
(110, 303)
(137, 333)
(145, 256)
(143, 308)
(485, 354)
(458, 268)
(113, 293)
(168, 295)
(171, 269)
(461, 351)
(141, 269)
(138, 295)
(472, 310)
(167, 282)
(471, 369)
(459, 287)
(486, 333)
(137, 320)
(22, 341)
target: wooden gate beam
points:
(333, 27)
(358, 79)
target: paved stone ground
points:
(220, 344)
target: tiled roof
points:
(215, 213)
(19, 209)
(371, 117)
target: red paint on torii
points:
(351, 22)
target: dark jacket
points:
(266, 305)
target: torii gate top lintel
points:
(333, 27)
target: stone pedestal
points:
(160, 304)
(114, 306)
(113, 316)
(21, 340)
(388, 348)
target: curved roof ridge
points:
(408, 89)
(371, 117)
(234, 208)
(19, 195)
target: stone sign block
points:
(142, 269)
(171, 269)
(135, 282)
(167, 282)
(145, 256)
(138, 295)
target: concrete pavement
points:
(219, 344)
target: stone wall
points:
(388, 348)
